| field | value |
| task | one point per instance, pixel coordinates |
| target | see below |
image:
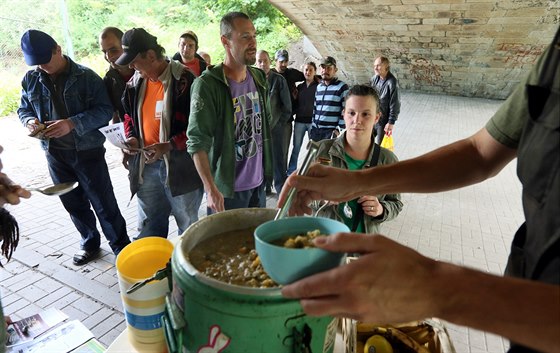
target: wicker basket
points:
(403, 338)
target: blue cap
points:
(281, 55)
(37, 47)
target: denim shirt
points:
(86, 99)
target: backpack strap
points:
(375, 155)
(373, 163)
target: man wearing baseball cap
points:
(73, 107)
(329, 102)
(157, 105)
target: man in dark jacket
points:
(387, 87)
(73, 104)
(157, 105)
(292, 76)
(116, 77)
(281, 112)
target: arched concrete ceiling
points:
(479, 48)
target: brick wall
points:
(474, 48)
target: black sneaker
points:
(82, 257)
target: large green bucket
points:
(206, 315)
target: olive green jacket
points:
(212, 125)
(331, 152)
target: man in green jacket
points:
(229, 133)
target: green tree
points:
(274, 30)
(166, 19)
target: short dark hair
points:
(364, 91)
(111, 30)
(226, 23)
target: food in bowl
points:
(299, 241)
(287, 265)
(230, 257)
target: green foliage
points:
(10, 93)
(166, 19)
(274, 30)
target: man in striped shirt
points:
(329, 103)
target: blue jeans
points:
(299, 133)
(278, 156)
(156, 204)
(255, 197)
(288, 129)
(89, 168)
(379, 130)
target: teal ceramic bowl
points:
(286, 265)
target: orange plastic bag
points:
(388, 142)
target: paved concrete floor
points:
(472, 226)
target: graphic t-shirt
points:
(249, 169)
(152, 109)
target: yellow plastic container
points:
(144, 307)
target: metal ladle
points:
(57, 189)
(312, 149)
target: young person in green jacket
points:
(228, 133)
(393, 283)
(355, 149)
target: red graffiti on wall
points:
(520, 54)
(425, 71)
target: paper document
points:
(115, 134)
(27, 329)
(61, 339)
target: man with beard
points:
(116, 77)
(329, 103)
(229, 132)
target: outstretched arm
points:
(459, 164)
(390, 283)
(10, 192)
